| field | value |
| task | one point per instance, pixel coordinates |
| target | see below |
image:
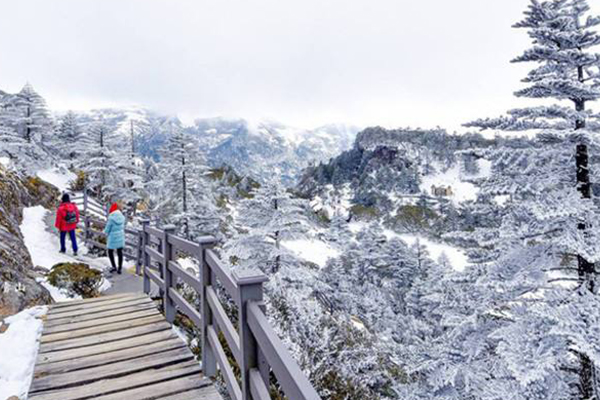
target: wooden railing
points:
(257, 350)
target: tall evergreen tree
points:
(99, 163)
(185, 191)
(563, 35)
(70, 140)
(272, 216)
(33, 120)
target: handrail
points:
(291, 378)
(254, 344)
(221, 272)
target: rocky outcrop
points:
(18, 287)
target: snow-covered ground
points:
(453, 177)
(58, 178)
(5, 161)
(18, 351)
(463, 191)
(44, 248)
(312, 250)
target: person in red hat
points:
(67, 218)
(115, 236)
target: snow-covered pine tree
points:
(563, 217)
(272, 216)
(185, 192)
(99, 162)
(131, 170)
(33, 119)
(27, 154)
(70, 139)
(339, 233)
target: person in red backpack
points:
(67, 218)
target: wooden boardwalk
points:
(115, 348)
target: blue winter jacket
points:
(115, 230)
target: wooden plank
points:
(68, 304)
(192, 280)
(154, 254)
(124, 383)
(231, 335)
(257, 387)
(184, 245)
(96, 244)
(103, 338)
(92, 317)
(99, 321)
(185, 307)
(232, 386)
(162, 390)
(87, 361)
(289, 375)
(95, 302)
(206, 393)
(131, 231)
(96, 330)
(154, 231)
(88, 375)
(222, 273)
(98, 308)
(106, 348)
(155, 278)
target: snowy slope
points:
(59, 177)
(312, 250)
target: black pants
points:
(111, 256)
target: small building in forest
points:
(441, 191)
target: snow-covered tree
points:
(27, 154)
(70, 140)
(272, 216)
(551, 206)
(33, 119)
(184, 191)
(99, 162)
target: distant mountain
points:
(262, 151)
(386, 169)
(269, 149)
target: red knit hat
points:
(113, 208)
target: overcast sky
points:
(418, 63)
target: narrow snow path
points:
(18, 349)
(44, 248)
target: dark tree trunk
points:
(28, 128)
(185, 207)
(278, 257)
(585, 269)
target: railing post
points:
(167, 251)
(209, 362)
(140, 254)
(145, 256)
(250, 288)
(86, 216)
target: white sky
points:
(418, 63)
